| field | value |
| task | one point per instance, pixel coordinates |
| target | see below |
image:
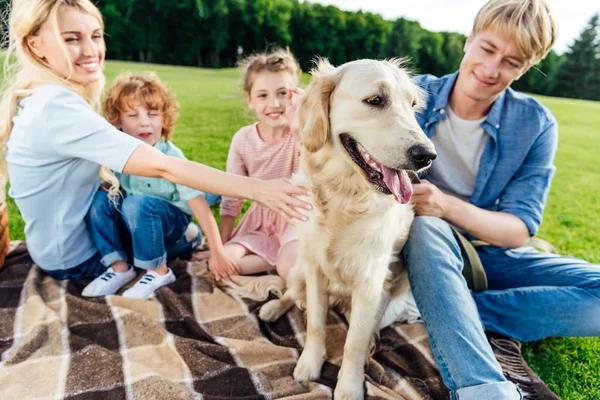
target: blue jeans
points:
(531, 296)
(148, 229)
(90, 268)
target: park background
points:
(194, 44)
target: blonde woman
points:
(55, 142)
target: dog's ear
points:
(314, 106)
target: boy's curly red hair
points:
(127, 89)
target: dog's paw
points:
(301, 304)
(309, 364)
(343, 393)
(350, 384)
(372, 345)
(271, 311)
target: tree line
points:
(215, 33)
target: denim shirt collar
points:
(491, 124)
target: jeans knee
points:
(431, 245)
(425, 225)
(427, 231)
(103, 206)
(135, 208)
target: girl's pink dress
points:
(261, 230)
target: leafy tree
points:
(404, 40)
(452, 48)
(540, 78)
(578, 76)
(430, 54)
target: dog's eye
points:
(414, 103)
(375, 101)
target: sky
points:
(458, 15)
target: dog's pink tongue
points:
(398, 183)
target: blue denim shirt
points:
(516, 167)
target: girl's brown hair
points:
(278, 60)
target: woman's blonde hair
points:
(277, 60)
(122, 95)
(530, 22)
(24, 72)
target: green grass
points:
(213, 109)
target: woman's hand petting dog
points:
(429, 200)
(280, 195)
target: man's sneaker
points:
(108, 283)
(508, 353)
(148, 284)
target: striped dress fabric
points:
(261, 230)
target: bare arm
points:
(276, 194)
(218, 262)
(227, 222)
(497, 228)
(203, 214)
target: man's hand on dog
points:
(429, 200)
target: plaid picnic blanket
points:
(192, 341)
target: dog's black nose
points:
(421, 155)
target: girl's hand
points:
(280, 196)
(221, 266)
(201, 255)
(291, 109)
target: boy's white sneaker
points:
(148, 284)
(108, 283)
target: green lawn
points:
(213, 109)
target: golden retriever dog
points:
(359, 139)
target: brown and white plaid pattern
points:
(192, 341)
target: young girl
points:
(55, 142)
(154, 215)
(266, 149)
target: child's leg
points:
(90, 268)
(187, 243)
(110, 235)
(286, 259)
(249, 263)
(108, 230)
(154, 223)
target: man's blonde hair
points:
(530, 22)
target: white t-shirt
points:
(55, 151)
(459, 144)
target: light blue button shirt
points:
(516, 167)
(178, 195)
(55, 150)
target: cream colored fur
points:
(349, 247)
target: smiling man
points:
(491, 180)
